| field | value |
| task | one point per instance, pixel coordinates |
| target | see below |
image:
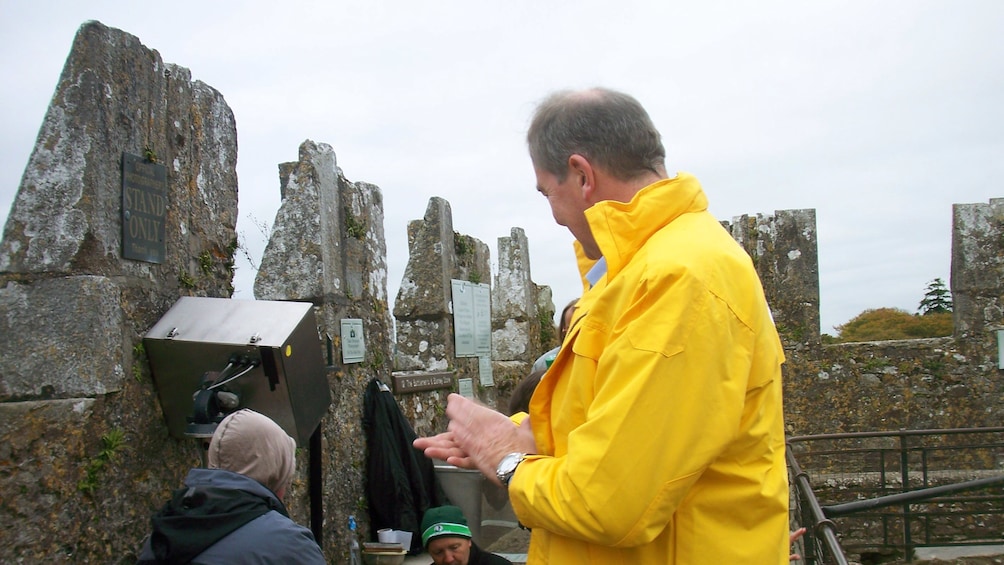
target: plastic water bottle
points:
(354, 557)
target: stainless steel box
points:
(198, 337)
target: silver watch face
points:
(508, 465)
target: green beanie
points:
(443, 521)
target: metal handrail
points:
(821, 516)
(919, 495)
(822, 528)
(930, 432)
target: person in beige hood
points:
(232, 512)
(251, 444)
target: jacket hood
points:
(621, 228)
(253, 445)
(212, 504)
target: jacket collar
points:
(583, 263)
(620, 228)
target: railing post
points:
(926, 483)
(810, 549)
(904, 462)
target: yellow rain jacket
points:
(659, 424)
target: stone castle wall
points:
(913, 384)
(521, 325)
(327, 247)
(85, 456)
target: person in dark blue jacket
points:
(232, 512)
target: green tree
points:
(937, 299)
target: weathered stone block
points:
(511, 341)
(785, 253)
(425, 290)
(423, 345)
(977, 268)
(75, 344)
(303, 256)
(42, 445)
(513, 297)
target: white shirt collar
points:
(597, 271)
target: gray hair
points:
(609, 128)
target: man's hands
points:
(477, 437)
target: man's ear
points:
(583, 172)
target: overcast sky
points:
(879, 115)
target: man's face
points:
(450, 551)
(568, 206)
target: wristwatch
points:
(508, 466)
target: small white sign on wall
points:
(485, 370)
(463, 318)
(466, 387)
(353, 344)
(472, 318)
(1000, 349)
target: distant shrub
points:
(893, 323)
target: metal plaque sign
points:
(472, 318)
(420, 381)
(485, 371)
(466, 387)
(353, 345)
(1000, 349)
(144, 209)
(463, 318)
(482, 320)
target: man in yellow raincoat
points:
(657, 434)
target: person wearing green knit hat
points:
(447, 538)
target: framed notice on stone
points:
(465, 387)
(463, 318)
(353, 344)
(482, 320)
(472, 319)
(485, 370)
(144, 209)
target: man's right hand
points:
(477, 437)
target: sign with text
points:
(419, 381)
(144, 209)
(353, 345)
(485, 371)
(472, 318)
(466, 388)
(482, 320)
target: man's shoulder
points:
(696, 245)
(482, 557)
(272, 536)
(493, 559)
(273, 524)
